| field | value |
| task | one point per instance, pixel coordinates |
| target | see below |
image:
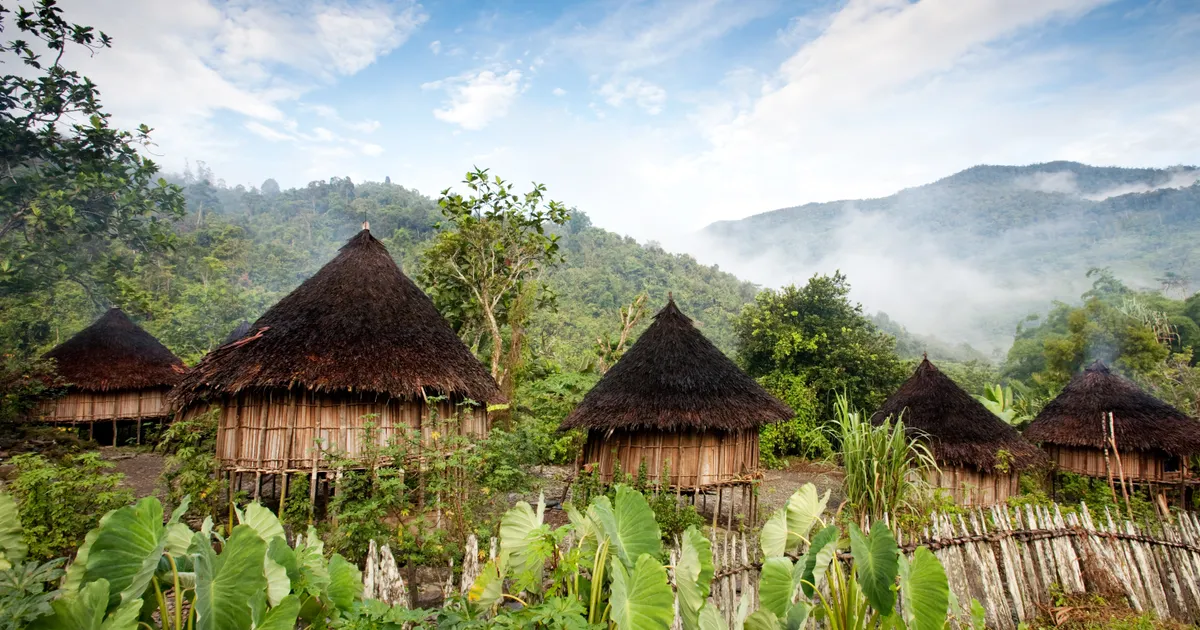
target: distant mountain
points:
(966, 256)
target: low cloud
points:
(476, 98)
(645, 94)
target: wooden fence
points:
(1010, 559)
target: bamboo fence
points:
(1010, 559)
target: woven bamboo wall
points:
(87, 406)
(277, 430)
(972, 487)
(1137, 465)
(698, 458)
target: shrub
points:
(802, 435)
(541, 406)
(192, 467)
(60, 502)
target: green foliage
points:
(815, 333)
(1008, 403)
(485, 270)
(192, 469)
(79, 196)
(26, 593)
(541, 406)
(60, 501)
(802, 435)
(885, 470)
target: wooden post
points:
(229, 531)
(257, 484)
(1112, 436)
(1107, 466)
(114, 423)
(312, 484)
(283, 493)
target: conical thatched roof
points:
(1140, 421)
(115, 353)
(238, 332)
(959, 429)
(358, 324)
(674, 378)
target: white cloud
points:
(369, 149)
(647, 95)
(477, 98)
(177, 65)
(366, 125)
(435, 46)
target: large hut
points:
(1150, 436)
(116, 374)
(356, 343)
(674, 397)
(979, 456)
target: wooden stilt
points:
(114, 423)
(139, 431)
(91, 430)
(312, 488)
(257, 485)
(229, 531)
(283, 493)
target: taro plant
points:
(136, 571)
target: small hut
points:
(979, 456)
(1100, 415)
(356, 343)
(675, 398)
(117, 374)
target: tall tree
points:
(816, 333)
(485, 270)
(76, 193)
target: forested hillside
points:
(237, 251)
(984, 246)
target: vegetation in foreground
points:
(607, 568)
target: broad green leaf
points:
(773, 537)
(520, 529)
(262, 520)
(693, 576)
(226, 583)
(179, 539)
(310, 563)
(978, 615)
(345, 582)
(629, 526)
(763, 620)
(925, 591)
(278, 583)
(787, 529)
(12, 542)
(78, 568)
(488, 587)
(127, 550)
(803, 509)
(876, 564)
(281, 617)
(776, 586)
(816, 560)
(85, 610)
(641, 599)
(797, 616)
(711, 619)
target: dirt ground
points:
(141, 469)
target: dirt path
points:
(141, 469)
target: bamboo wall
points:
(1137, 465)
(277, 430)
(697, 458)
(90, 406)
(970, 486)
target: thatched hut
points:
(357, 339)
(116, 373)
(674, 397)
(1150, 436)
(979, 456)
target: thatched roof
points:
(959, 429)
(359, 324)
(115, 353)
(238, 332)
(674, 378)
(1140, 421)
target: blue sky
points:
(655, 117)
